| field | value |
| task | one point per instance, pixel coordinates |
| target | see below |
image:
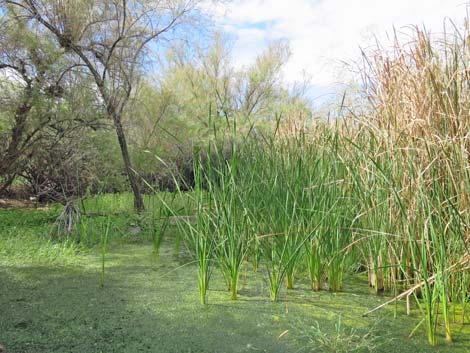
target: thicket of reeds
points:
(385, 192)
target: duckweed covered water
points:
(151, 305)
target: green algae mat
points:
(150, 304)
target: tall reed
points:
(104, 247)
(419, 163)
(385, 191)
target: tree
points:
(110, 40)
(196, 96)
(204, 80)
(258, 87)
(37, 96)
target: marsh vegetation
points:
(233, 218)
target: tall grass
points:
(104, 248)
(160, 224)
(199, 236)
(386, 192)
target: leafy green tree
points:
(42, 101)
(198, 95)
(109, 40)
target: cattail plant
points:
(419, 162)
(160, 221)
(199, 236)
(104, 247)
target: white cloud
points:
(322, 33)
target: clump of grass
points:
(199, 235)
(229, 216)
(279, 254)
(341, 340)
(160, 226)
(86, 232)
(314, 257)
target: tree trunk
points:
(7, 183)
(138, 201)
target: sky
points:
(323, 34)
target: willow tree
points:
(109, 39)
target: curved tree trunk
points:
(138, 200)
